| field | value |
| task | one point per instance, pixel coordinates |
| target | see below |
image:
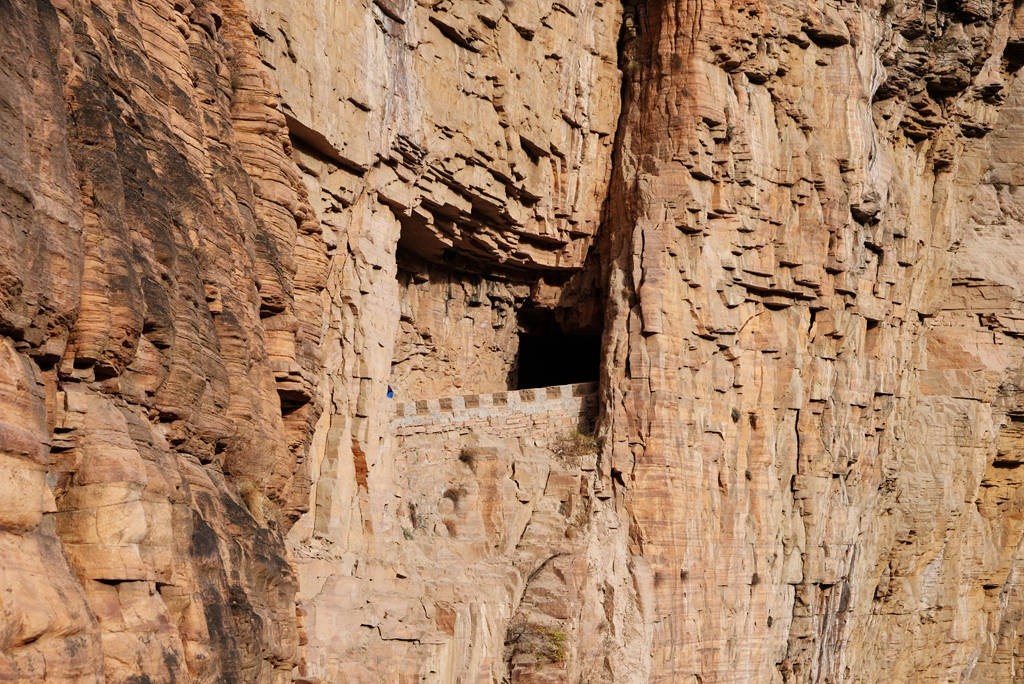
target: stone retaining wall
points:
(512, 413)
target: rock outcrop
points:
(229, 229)
(160, 315)
(454, 190)
(813, 364)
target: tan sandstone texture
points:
(227, 228)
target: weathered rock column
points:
(801, 395)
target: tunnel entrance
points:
(557, 359)
(549, 356)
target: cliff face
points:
(813, 384)
(229, 228)
(159, 346)
(458, 155)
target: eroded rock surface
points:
(821, 362)
(228, 228)
(160, 325)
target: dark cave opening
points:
(549, 356)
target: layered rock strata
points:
(230, 227)
(491, 535)
(813, 366)
(160, 320)
(454, 193)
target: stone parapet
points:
(510, 412)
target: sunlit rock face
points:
(812, 358)
(276, 282)
(161, 315)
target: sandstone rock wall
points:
(813, 372)
(457, 157)
(160, 322)
(457, 333)
(486, 127)
(495, 526)
(229, 227)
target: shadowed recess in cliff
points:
(549, 354)
(545, 360)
